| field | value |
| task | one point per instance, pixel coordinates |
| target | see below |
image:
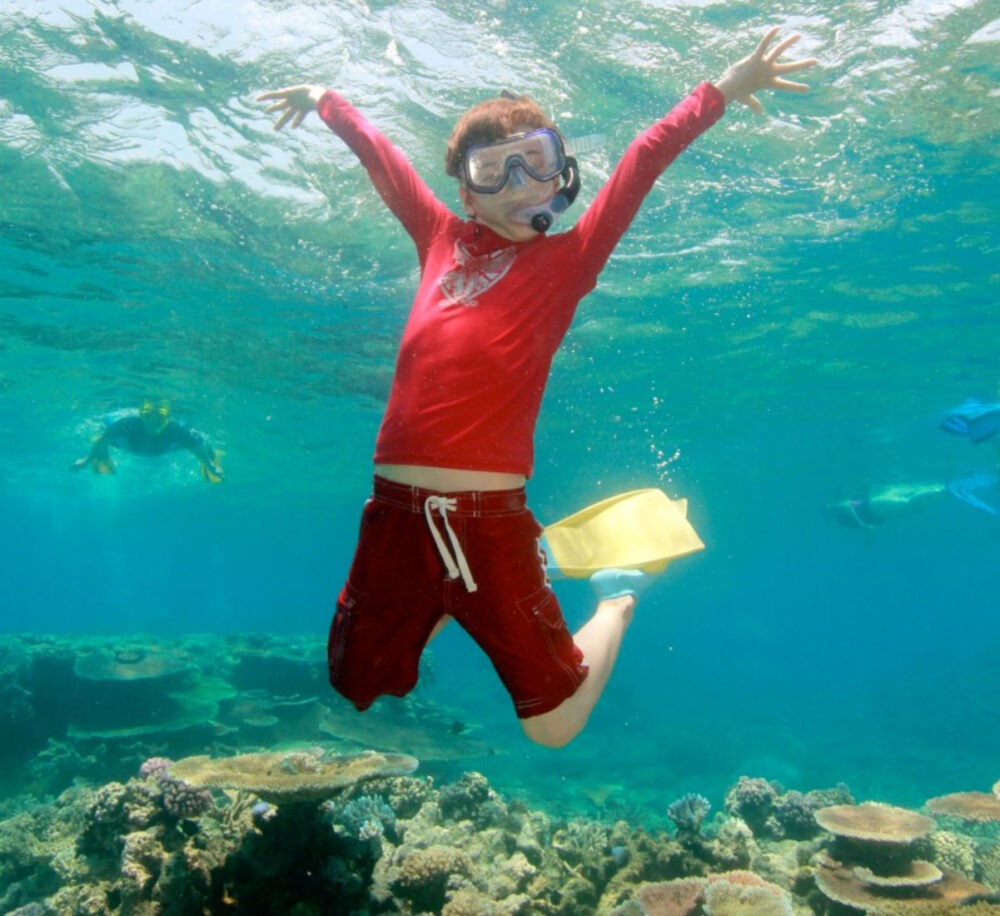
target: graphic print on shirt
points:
(473, 275)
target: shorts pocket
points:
(542, 608)
(541, 605)
(350, 604)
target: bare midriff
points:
(448, 480)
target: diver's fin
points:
(964, 490)
(976, 419)
(641, 529)
(211, 474)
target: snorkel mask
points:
(155, 417)
(539, 154)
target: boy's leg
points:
(599, 639)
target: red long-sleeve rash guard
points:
(489, 313)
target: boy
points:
(446, 533)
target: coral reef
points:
(378, 842)
(193, 793)
(873, 863)
(366, 817)
(771, 812)
(688, 812)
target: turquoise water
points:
(801, 298)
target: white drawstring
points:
(456, 565)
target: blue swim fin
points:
(976, 419)
(964, 490)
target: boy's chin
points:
(511, 229)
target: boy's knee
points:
(549, 730)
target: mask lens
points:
(488, 166)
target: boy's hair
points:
(492, 120)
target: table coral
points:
(279, 777)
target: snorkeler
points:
(447, 533)
(894, 500)
(884, 503)
(149, 431)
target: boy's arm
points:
(761, 70)
(616, 204)
(398, 184)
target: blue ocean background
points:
(801, 299)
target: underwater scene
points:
(797, 337)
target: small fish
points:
(458, 727)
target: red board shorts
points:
(399, 587)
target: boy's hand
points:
(293, 102)
(761, 70)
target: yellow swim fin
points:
(212, 475)
(641, 529)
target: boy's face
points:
(497, 210)
(504, 177)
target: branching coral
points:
(688, 812)
(366, 817)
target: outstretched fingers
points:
(780, 48)
(789, 86)
(292, 103)
(763, 44)
(771, 58)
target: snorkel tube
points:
(541, 217)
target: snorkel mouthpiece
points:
(541, 217)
